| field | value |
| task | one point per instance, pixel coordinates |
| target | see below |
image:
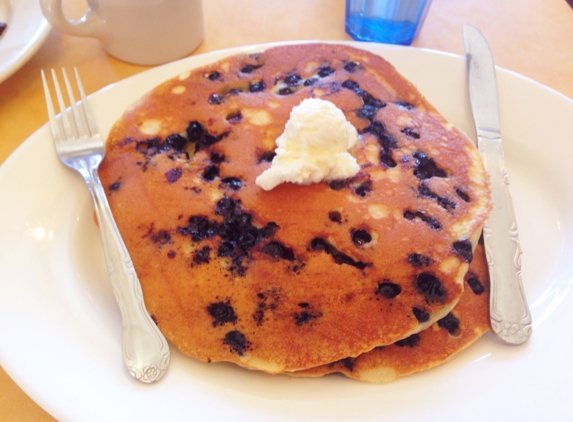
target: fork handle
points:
(145, 349)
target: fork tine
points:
(79, 125)
(87, 112)
(51, 112)
(69, 132)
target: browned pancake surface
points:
(301, 275)
(429, 348)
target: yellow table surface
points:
(533, 38)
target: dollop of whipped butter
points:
(313, 147)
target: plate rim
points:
(33, 44)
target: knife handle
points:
(509, 314)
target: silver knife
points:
(509, 314)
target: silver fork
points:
(80, 146)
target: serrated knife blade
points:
(509, 313)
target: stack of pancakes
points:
(360, 276)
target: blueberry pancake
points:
(297, 276)
(429, 348)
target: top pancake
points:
(297, 276)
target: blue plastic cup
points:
(385, 21)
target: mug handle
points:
(90, 25)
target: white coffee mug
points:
(146, 32)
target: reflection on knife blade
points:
(509, 314)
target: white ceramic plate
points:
(60, 329)
(26, 32)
